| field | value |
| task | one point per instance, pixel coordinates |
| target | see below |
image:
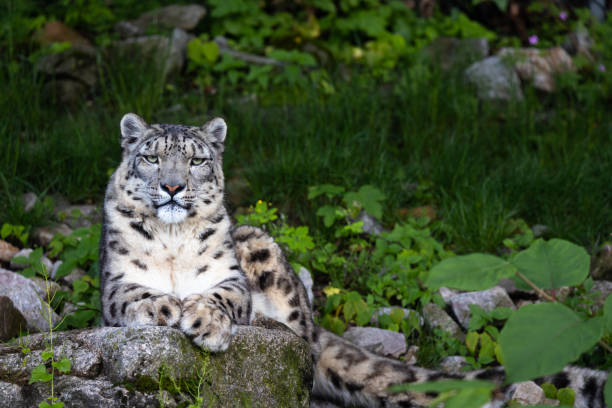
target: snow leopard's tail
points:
(345, 373)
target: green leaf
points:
(63, 366)
(47, 354)
(469, 272)
(370, 199)
(444, 385)
(553, 264)
(607, 313)
(566, 396)
(608, 391)
(40, 374)
(471, 341)
(329, 190)
(557, 336)
(329, 214)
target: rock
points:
(168, 52)
(371, 226)
(42, 286)
(411, 355)
(447, 293)
(580, 43)
(7, 251)
(603, 289)
(539, 230)
(539, 66)
(134, 366)
(453, 364)
(74, 275)
(437, 318)
(71, 72)
(57, 32)
(306, 279)
(13, 322)
(487, 299)
(29, 200)
(28, 299)
(528, 393)
(379, 341)
(25, 252)
(494, 80)
(44, 235)
(601, 263)
(451, 52)
(388, 310)
(185, 17)
(78, 216)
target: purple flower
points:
(533, 39)
(601, 68)
(563, 16)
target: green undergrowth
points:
(479, 167)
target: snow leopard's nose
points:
(172, 190)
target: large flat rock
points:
(141, 367)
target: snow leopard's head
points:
(172, 171)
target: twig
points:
(539, 291)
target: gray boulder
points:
(379, 341)
(28, 299)
(168, 52)
(185, 17)
(494, 79)
(487, 299)
(437, 318)
(11, 318)
(449, 52)
(143, 367)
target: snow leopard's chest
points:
(177, 262)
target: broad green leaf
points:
(47, 354)
(608, 390)
(607, 314)
(40, 374)
(210, 50)
(63, 366)
(553, 264)
(469, 398)
(556, 336)
(44, 404)
(444, 385)
(469, 272)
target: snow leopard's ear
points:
(216, 129)
(132, 129)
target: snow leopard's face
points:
(174, 171)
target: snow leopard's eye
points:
(196, 161)
(151, 158)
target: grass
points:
(547, 159)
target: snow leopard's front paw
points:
(206, 324)
(163, 310)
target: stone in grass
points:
(44, 235)
(453, 364)
(487, 299)
(495, 80)
(28, 299)
(379, 341)
(437, 318)
(528, 393)
(7, 251)
(12, 321)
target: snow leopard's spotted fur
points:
(169, 256)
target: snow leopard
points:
(170, 256)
